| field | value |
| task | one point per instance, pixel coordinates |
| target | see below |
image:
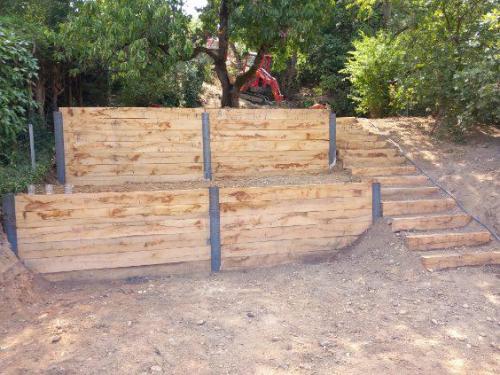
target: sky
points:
(190, 5)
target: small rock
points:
(489, 319)
(402, 312)
(482, 334)
(469, 346)
(324, 343)
(156, 368)
(275, 339)
(55, 339)
(250, 314)
(435, 322)
(465, 306)
(129, 323)
(200, 322)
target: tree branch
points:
(210, 52)
(245, 77)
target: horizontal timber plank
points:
(260, 235)
(271, 146)
(252, 115)
(65, 233)
(268, 135)
(430, 222)
(221, 168)
(419, 206)
(137, 125)
(134, 169)
(118, 158)
(120, 136)
(131, 112)
(286, 246)
(269, 207)
(295, 218)
(294, 192)
(138, 146)
(129, 259)
(436, 241)
(25, 202)
(80, 246)
(35, 218)
(118, 180)
(437, 262)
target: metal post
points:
(214, 212)
(59, 141)
(9, 219)
(207, 155)
(376, 201)
(332, 151)
(32, 145)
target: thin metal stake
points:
(32, 145)
(59, 140)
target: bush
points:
(373, 69)
(17, 68)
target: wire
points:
(433, 180)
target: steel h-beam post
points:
(9, 219)
(332, 150)
(59, 141)
(214, 213)
(376, 201)
(207, 155)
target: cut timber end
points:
(420, 206)
(446, 240)
(442, 261)
(430, 222)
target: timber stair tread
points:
(411, 191)
(382, 171)
(445, 240)
(402, 180)
(430, 222)
(439, 261)
(368, 161)
(416, 206)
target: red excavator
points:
(264, 83)
(264, 86)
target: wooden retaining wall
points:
(58, 233)
(259, 226)
(116, 145)
(272, 225)
(268, 141)
(108, 146)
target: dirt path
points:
(372, 311)
(470, 171)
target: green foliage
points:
(372, 68)
(441, 57)
(17, 69)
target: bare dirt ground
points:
(373, 310)
(470, 171)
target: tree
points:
(18, 69)
(263, 26)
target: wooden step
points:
(419, 206)
(430, 222)
(446, 240)
(363, 137)
(437, 262)
(383, 171)
(373, 153)
(391, 192)
(351, 161)
(410, 180)
(359, 145)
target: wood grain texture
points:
(59, 232)
(106, 146)
(437, 262)
(278, 223)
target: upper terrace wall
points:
(108, 146)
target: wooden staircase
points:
(426, 217)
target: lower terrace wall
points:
(259, 226)
(271, 225)
(58, 233)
